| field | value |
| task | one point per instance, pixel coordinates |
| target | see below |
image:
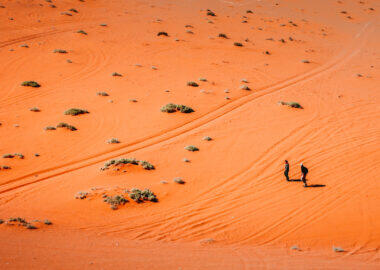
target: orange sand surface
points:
(235, 210)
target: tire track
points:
(186, 127)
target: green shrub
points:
(115, 74)
(8, 156)
(238, 44)
(221, 35)
(81, 32)
(171, 107)
(81, 195)
(338, 249)
(24, 46)
(162, 34)
(4, 167)
(245, 87)
(207, 138)
(31, 84)
(203, 79)
(50, 128)
(103, 94)
(193, 84)
(65, 125)
(146, 165)
(179, 180)
(210, 13)
(249, 11)
(34, 109)
(113, 140)
(73, 10)
(142, 195)
(292, 104)
(115, 201)
(47, 222)
(21, 156)
(59, 51)
(75, 111)
(103, 24)
(191, 148)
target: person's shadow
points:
(299, 180)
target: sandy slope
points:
(236, 211)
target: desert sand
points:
(235, 209)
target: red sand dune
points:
(236, 210)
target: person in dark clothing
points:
(304, 172)
(286, 171)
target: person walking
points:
(286, 171)
(304, 172)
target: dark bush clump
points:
(191, 148)
(50, 128)
(82, 32)
(65, 125)
(115, 201)
(103, 94)
(142, 195)
(31, 84)
(238, 44)
(210, 13)
(59, 51)
(115, 74)
(292, 104)
(75, 111)
(193, 84)
(171, 107)
(162, 34)
(221, 35)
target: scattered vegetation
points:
(338, 249)
(210, 13)
(171, 107)
(50, 128)
(115, 201)
(142, 195)
(249, 11)
(193, 84)
(75, 111)
(203, 79)
(163, 34)
(238, 44)
(245, 87)
(207, 138)
(291, 104)
(191, 148)
(113, 140)
(47, 222)
(65, 125)
(30, 83)
(115, 74)
(24, 46)
(21, 222)
(179, 180)
(82, 32)
(20, 156)
(34, 109)
(116, 162)
(59, 51)
(221, 35)
(4, 167)
(73, 10)
(81, 195)
(103, 94)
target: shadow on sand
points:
(299, 180)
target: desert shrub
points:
(221, 35)
(22, 222)
(203, 79)
(115, 201)
(179, 180)
(115, 74)
(59, 51)
(34, 109)
(30, 83)
(142, 195)
(81, 32)
(50, 128)
(162, 34)
(305, 61)
(75, 111)
(238, 44)
(24, 46)
(207, 138)
(19, 155)
(184, 109)
(169, 108)
(193, 84)
(116, 162)
(69, 61)
(338, 249)
(191, 148)
(245, 87)
(210, 13)
(244, 80)
(103, 24)
(8, 156)
(65, 125)
(113, 140)
(146, 165)
(73, 10)
(30, 226)
(48, 222)
(4, 167)
(249, 11)
(292, 104)
(103, 94)
(81, 195)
